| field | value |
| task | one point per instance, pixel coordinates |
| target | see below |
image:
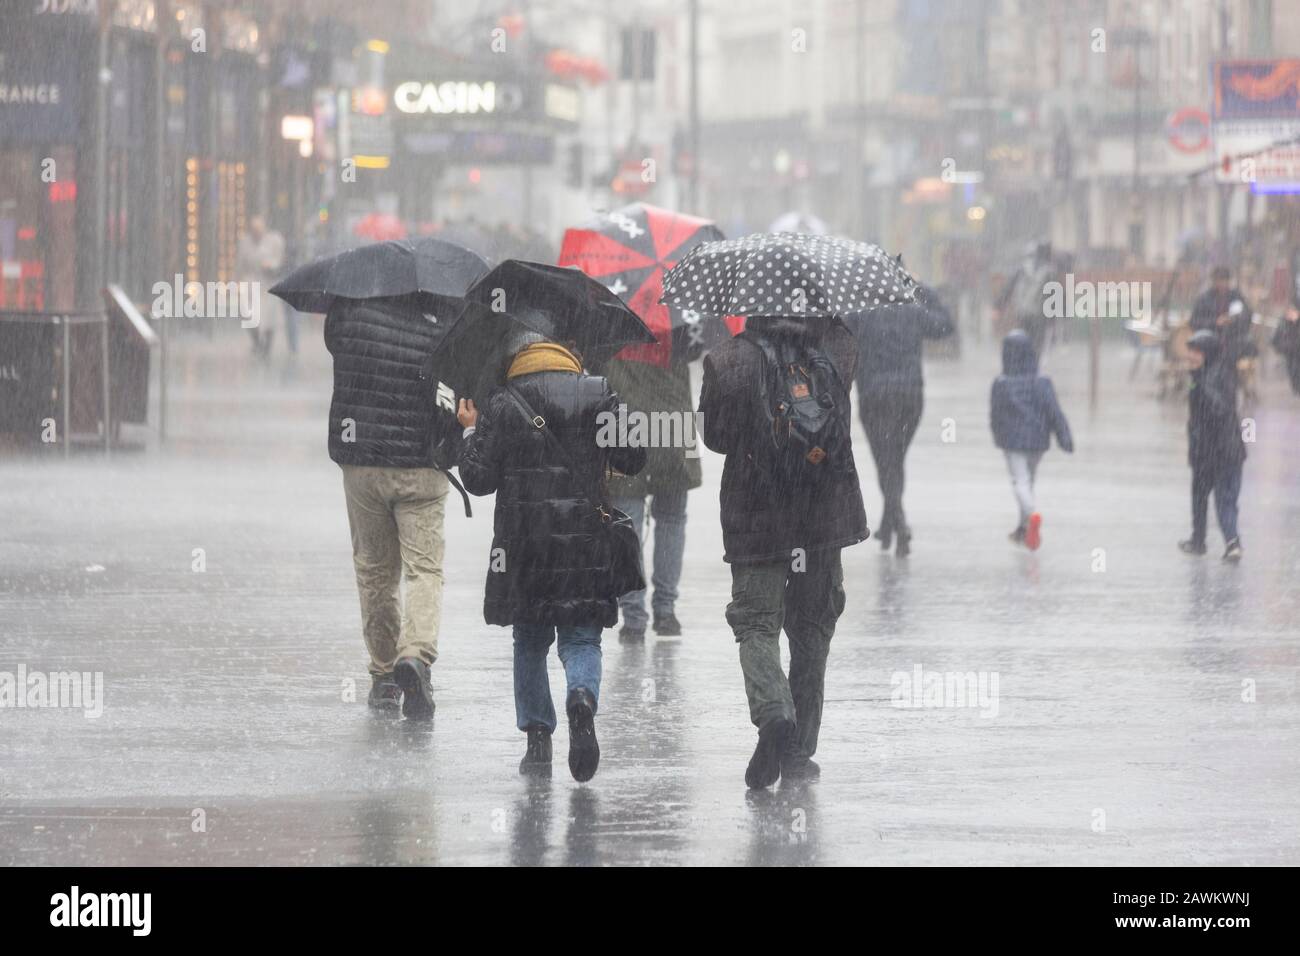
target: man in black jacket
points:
(891, 395)
(1222, 309)
(783, 543)
(393, 434)
(1216, 450)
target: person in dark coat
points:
(1286, 339)
(1024, 415)
(394, 438)
(783, 544)
(548, 548)
(1215, 448)
(1222, 309)
(891, 395)
(671, 471)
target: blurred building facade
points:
(139, 137)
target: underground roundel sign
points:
(1189, 130)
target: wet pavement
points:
(1147, 708)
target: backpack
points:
(804, 432)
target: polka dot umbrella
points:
(787, 274)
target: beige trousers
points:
(396, 517)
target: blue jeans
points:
(1225, 482)
(669, 514)
(579, 653)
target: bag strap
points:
(539, 423)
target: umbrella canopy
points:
(787, 274)
(564, 305)
(440, 271)
(629, 250)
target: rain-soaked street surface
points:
(234, 728)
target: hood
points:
(1018, 355)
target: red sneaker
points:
(1034, 534)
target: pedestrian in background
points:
(1025, 414)
(534, 445)
(891, 396)
(1215, 448)
(259, 256)
(1222, 309)
(1286, 339)
(1023, 297)
(670, 472)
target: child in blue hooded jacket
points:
(1025, 414)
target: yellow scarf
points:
(543, 357)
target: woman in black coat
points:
(549, 548)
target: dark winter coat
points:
(1287, 342)
(547, 542)
(759, 524)
(382, 412)
(649, 388)
(1024, 411)
(890, 342)
(1214, 441)
(1235, 336)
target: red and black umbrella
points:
(629, 250)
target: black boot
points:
(537, 758)
(385, 695)
(584, 750)
(796, 765)
(628, 634)
(904, 546)
(412, 675)
(667, 625)
(765, 766)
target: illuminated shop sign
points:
(457, 97)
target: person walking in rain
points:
(1215, 448)
(891, 396)
(670, 472)
(534, 444)
(1023, 295)
(785, 519)
(1025, 414)
(259, 256)
(1222, 309)
(394, 446)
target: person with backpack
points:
(1023, 296)
(1215, 448)
(1024, 415)
(556, 569)
(775, 402)
(394, 444)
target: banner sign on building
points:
(1256, 114)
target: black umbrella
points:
(564, 305)
(786, 274)
(437, 270)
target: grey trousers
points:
(807, 603)
(668, 512)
